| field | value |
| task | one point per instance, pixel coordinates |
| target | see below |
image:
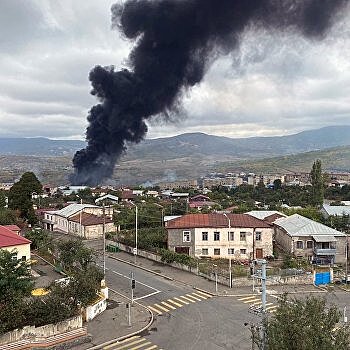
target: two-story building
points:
(17, 245)
(238, 236)
(309, 239)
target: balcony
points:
(325, 251)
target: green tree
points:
(40, 239)
(20, 196)
(73, 254)
(8, 217)
(16, 281)
(317, 183)
(311, 325)
(277, 184)
(2, 199)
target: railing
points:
(328, 251)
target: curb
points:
(100, 346)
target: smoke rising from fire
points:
(175, 43)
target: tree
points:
(8, 216)
(40, 239)
(20, 196)
(2, 199)
(317, 183)
(16, 281)
(277, 184)
(311, 325)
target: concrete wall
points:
(32, 332)
(93, 310)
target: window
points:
(186, 236)
(300, 245)
(309, 244)
(242, 236)
(14, 256)
(205, 251)
(243, 251)
(231, 236)
(231, 251)
(217, 237)
(216, 251)
(24, 258)
(204, 236)
(258, 236)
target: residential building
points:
(335, 210)
(201, 201)
(84, 220)
(309, 239)
(267, 215)
(238, 236)
(178, 184)
(17, 245)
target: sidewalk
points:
(201, 283)
(113, 323)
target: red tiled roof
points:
(9, 238)
(13, 228)
(90, 219)
(201, 204)
(216, 220)
(199, 197)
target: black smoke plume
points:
(175, 43)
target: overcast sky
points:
(272, 85)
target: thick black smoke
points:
(175, 42)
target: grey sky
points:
(273, 85)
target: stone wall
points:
(32, 332)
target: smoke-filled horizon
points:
(175, 43)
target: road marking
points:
(183, 297)
(144, 284)
(152, 347)
(123, 342)
(200, 296)
(132, 343)
(161, 307)
(271, 308)
(181, 301)
(168, 305)
(175, 303)
(155, 310)
(247, 298)
(205, 294)
(148, 295)
(141, 346)
(251, 301)
(193, 297)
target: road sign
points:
(134, 250)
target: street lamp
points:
(136, 215)
(229, 261)
(103, 234)
(216, 277)
(160, 206)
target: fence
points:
(295, 278)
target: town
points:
(236, 234)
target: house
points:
(201, 201)
(309, 239)
(77, 219)
(238, 236)
(335, 210)
(12, 242)
(266, 215)
(13, 228)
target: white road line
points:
(144, 284)
(147, 295)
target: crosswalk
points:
(133, 343)
(178, 302)
(254, 301)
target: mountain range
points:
(193, 145)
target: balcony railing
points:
(328, 251)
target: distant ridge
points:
(193, 145)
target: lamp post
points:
(160, 206)
(103, 234)
(229, 261)
(216, 277)
(136, 215)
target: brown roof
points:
(271, 218)
(90, 219)
(216, 220)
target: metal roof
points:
(73, 209)
(262, 214)
(338, 210)
(324, 238)
(298, 225)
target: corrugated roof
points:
(216, 220)
(298, 225)
(262, 214)
(338, 210)
(73, 209)
(324, 238)
(90, 219)
(9, 238)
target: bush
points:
(170, 257)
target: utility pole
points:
(263, 285)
